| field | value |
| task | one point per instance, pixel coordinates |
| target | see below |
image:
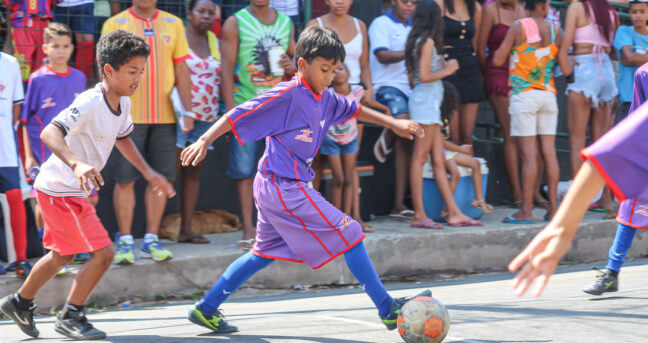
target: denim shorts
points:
(243, 159)
(594, 77)
(425, 103)
(330, 147)
(394, 99)
(79, 18)
(200, 127)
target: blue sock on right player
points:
(360, 265)
(234, 276)
(622, 243)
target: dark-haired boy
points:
(295, 223)
(81, 138)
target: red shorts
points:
(71, 225)
(28, 45)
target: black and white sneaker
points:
(76, 327)
(605, 282)
(23, 318)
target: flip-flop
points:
(427, 224)
(610, 215)
(597, 208)
(405, 214)
(195, 239)
(246, 244)
(380, 149)
(468, 223)
(366, 228)
(511, 220)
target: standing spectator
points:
(589, 31)
(423, 62)
(155, 122)
(51, 89)
(462, 19)
(79, 16)
(204, 65)
(11, 96)
(248, 36)
(631, 44)
(533, 44)
(28, 19)
(498, 16)
(293, 9)
(388, 34)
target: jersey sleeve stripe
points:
(127, 132)
(614, 187)
(354, 114)
(263, 104)
(181, 59)
(234, 130)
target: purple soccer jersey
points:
(295, 223)
(634, 212)
(48, 93)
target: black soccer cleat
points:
(76, 327)
(395, 307)
(605, 282)
(213, 321)
(23, 318)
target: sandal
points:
(246, 244)
(405, 214)
(366, 228)
(195, 239)
(467, 223)
(427, 224)
(482, 205)
(597, 208)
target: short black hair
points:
(450, 100)
(530, 5)
(319, 42)
(118, 47)
(637, 2)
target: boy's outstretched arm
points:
(54, 138)
(540, 258)
(196, 152)
(403, 127)
(160, 184)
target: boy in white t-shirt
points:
(81, 138)
(11, 96)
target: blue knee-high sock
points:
(622, 242)
(234, 276)
(361, 267)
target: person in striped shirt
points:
(154, 118)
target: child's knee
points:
(104, 256)
(62, 260)
(339, 180)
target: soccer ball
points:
(423, 320)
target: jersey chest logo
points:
(48, 102)
(305, 136)
(642, 210)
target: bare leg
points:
(529, 149)
(93, 200)
(318, 168)
(190, 190)
(578, 115)
(548, 148)
(511, 157)
(90, 274)
(468, 118)
(403, 158)
(451, 167)
(600, 124)
(43, 271)
(422, 147)
(349, 165)
(335, 162)
(455, 122)
(244, 188)
(124, 203)
(155, 205)
(537, 195)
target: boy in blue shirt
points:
(631, 43)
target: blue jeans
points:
(243, 159)
(394, 99)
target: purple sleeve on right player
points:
(620, 155)
(345, 109)
(263, 116)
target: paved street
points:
(482, 309)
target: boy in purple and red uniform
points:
(632, 215)
(618, 159)
(28, 20)
(295, 223)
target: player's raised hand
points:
(193, 154)
(407, 128)
(86, 173)
(539, 260)
(161, 186)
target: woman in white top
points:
(204, 65)
(353, 34)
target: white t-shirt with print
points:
(387, 33)
(70, 3)
(287, 7)
(91, 130)
(11, 93)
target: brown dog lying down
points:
(204, 222)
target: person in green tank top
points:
(248, 37)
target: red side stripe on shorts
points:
(301, 221)
(323, 216)
(274, 257)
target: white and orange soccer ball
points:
(423, 320)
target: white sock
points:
(126, 238)
(150, 237)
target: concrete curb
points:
(395, 249)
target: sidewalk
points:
(396, 250)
